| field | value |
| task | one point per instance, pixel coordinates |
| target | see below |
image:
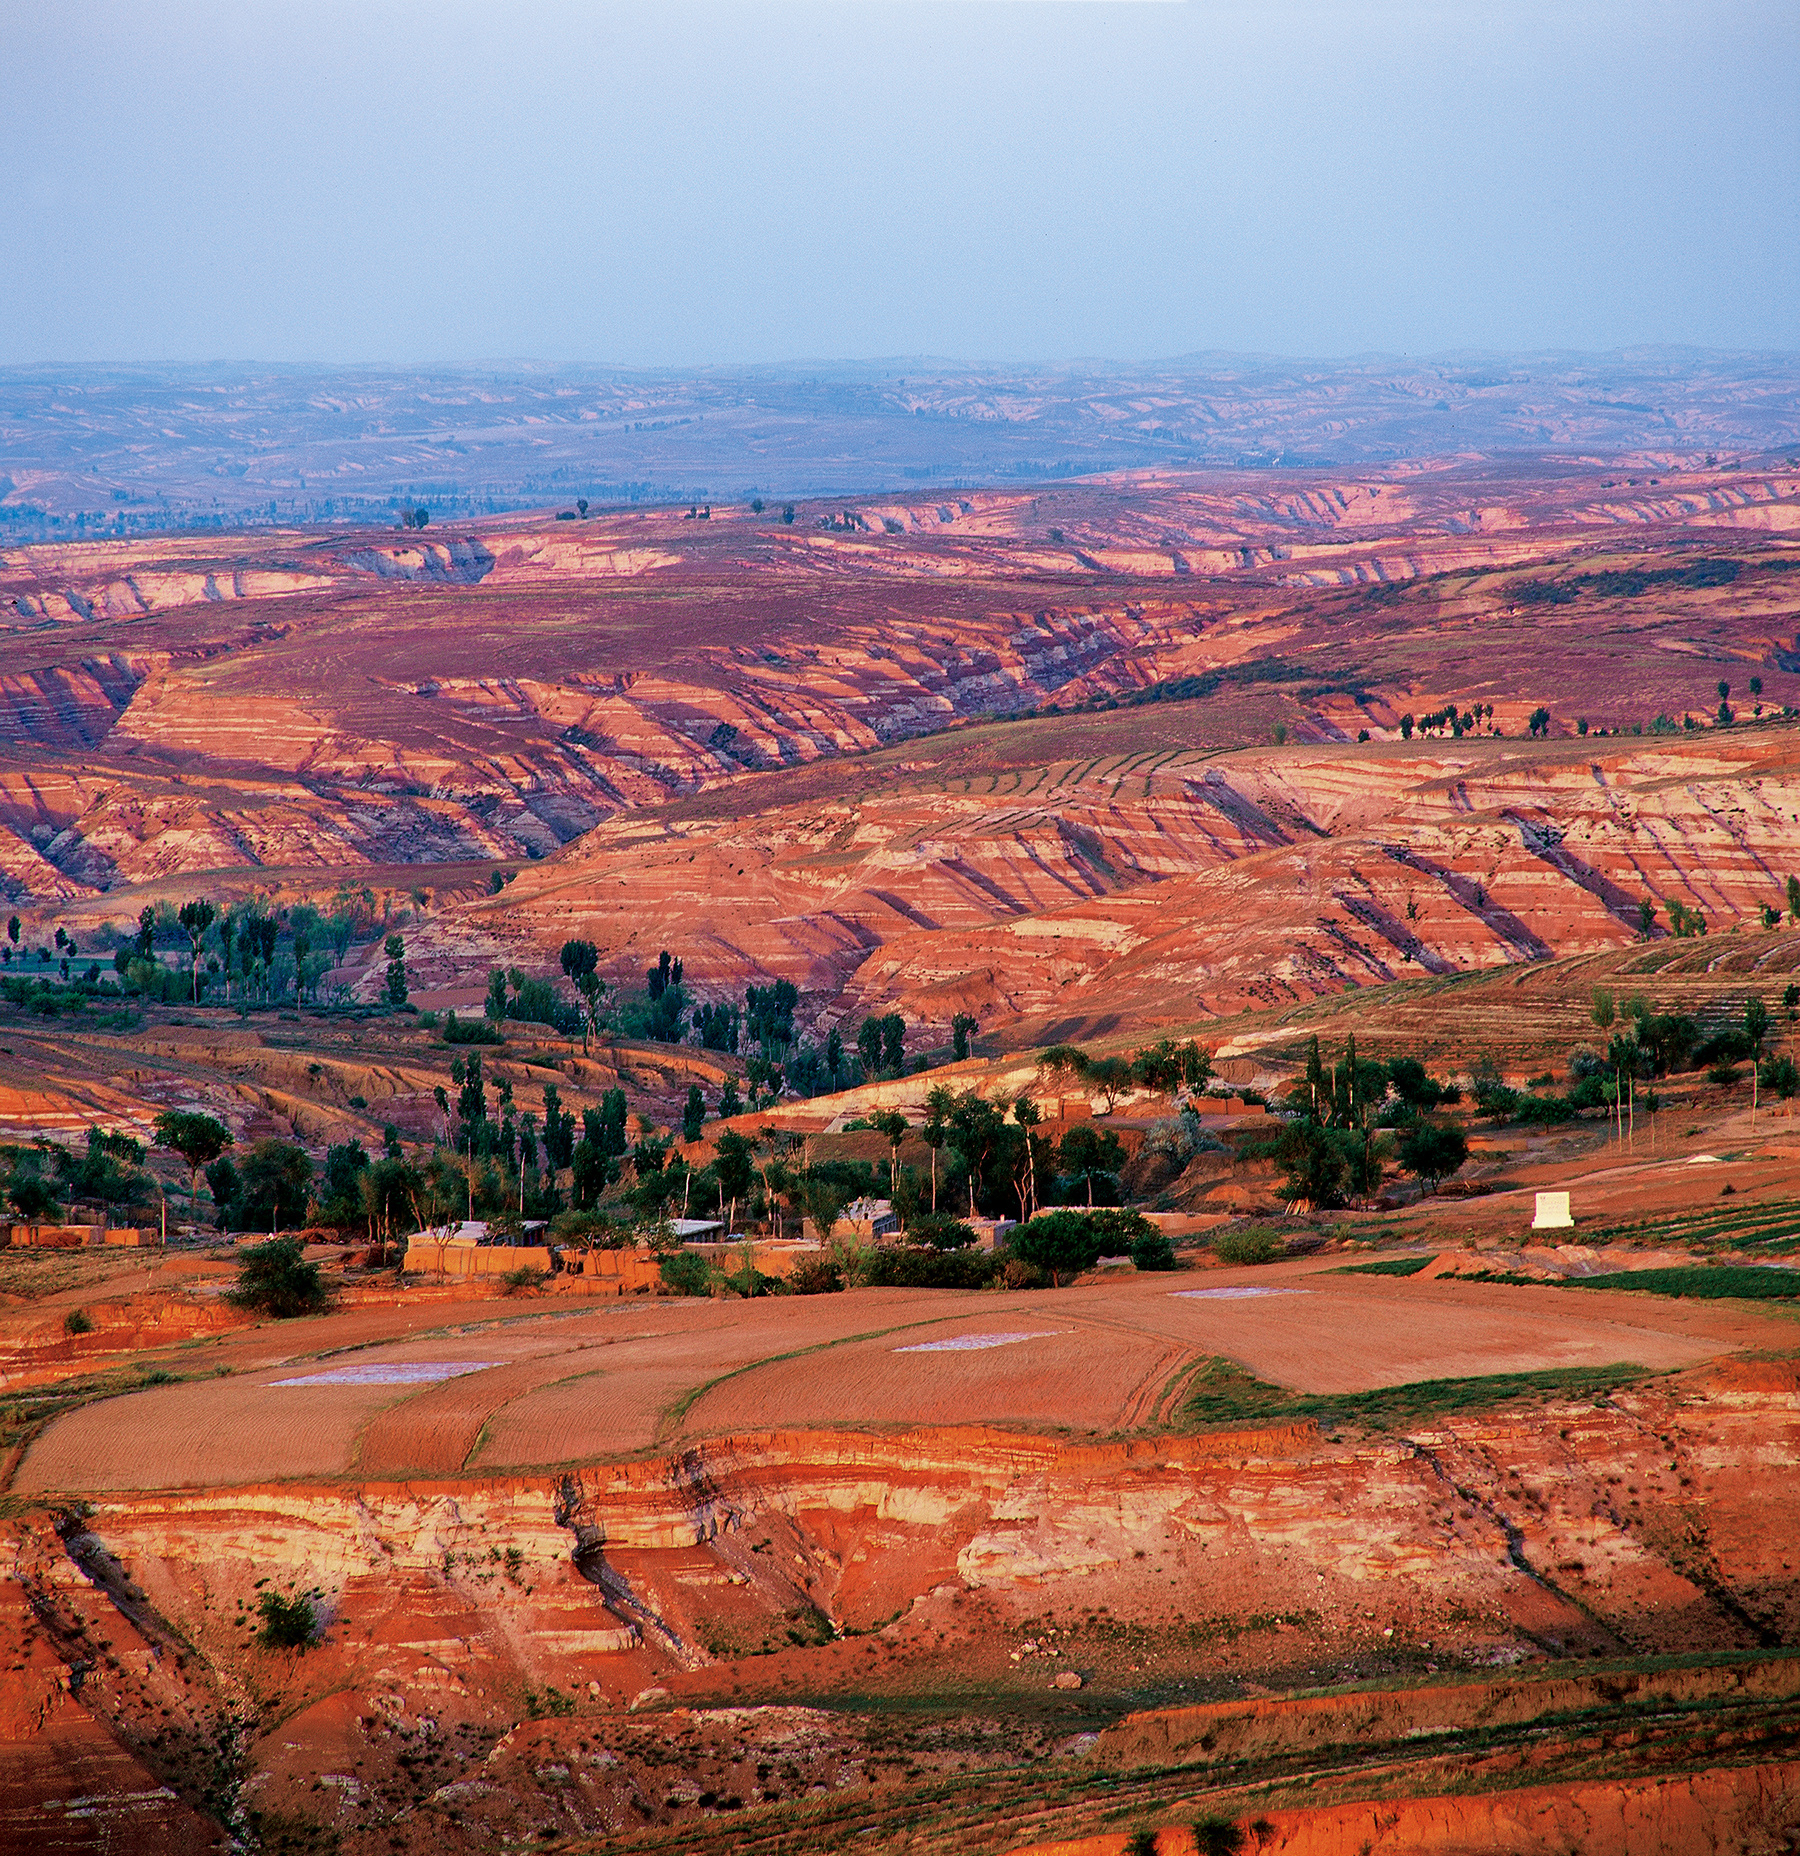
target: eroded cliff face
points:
(1187, 883)
(977, 1566)
(357, 700)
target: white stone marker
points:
(1552, 1212)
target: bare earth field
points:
(1315, 1560)
(566, 1389)
(964, 1563)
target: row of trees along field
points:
(244, 954)
(778, 1060)
(500, 1159)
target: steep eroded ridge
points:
(1199, 884)
(499, 691)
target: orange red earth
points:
(690, 731)
(696, 1494)
(641, 1506)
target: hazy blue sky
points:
(667, 183)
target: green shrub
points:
(815, 1276)
(686, 1273)
(288, 1623)
(1545, 1111)
(1254, 1244)
(275, 1279)
(469, 1031)
(1431, 1150)
(941, 1231)
(75, 1322)
(33, 1197)
(918, 1266)
(1153, 1251)
(524, 1278)
(1315, 1161)
(548, 1703)
(747, 1281)
(1119, 1230)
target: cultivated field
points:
(1094, 1360)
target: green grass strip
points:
(1224, 1393)
(1388, 1266)
(1703, 1282)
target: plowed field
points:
(1097, 1357)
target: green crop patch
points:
(1223, 1393)
(1386, 1266)
(1710, 1282)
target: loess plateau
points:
(1465, 1554)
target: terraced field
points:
(582, 1388)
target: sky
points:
(668, 184)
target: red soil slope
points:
(359, 701)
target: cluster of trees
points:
(1354, 1117)
(1448, 717)
(502, 1165)
(1686, 921)
(248, 952)
(40, 1179)
(1164, 1067)
(778, 1060)
(881, 1046)
(66, 950)
(1641, 1045)
(524, 1156)
(983, 1158)
(512, 993)
(580, 962)
(990, 1157)
(938, 1254)
(41, 994)
(717, 1026)
(659, 1013)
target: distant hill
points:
(129, 450)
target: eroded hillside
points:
(1297, 1554)
(1188, 882)
(296, 701)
